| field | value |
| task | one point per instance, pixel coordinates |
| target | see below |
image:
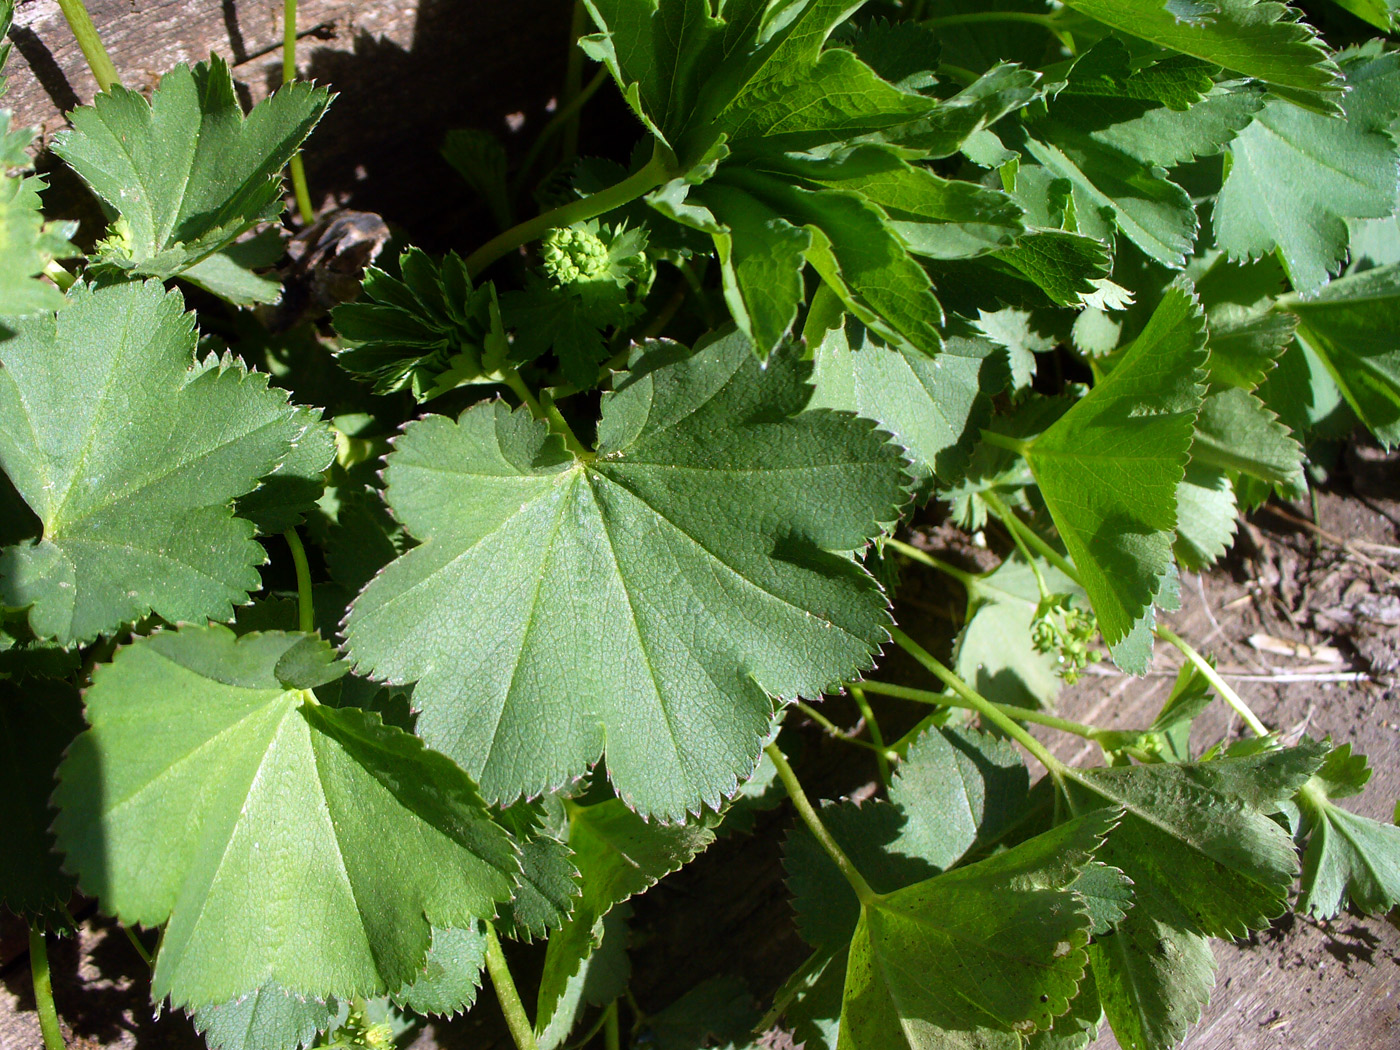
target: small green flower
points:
(574, 254)
(1065, 630)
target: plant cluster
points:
(560, 530)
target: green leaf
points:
(994, 653)
(549, 881)
(1205, 859)
(718, 1012)
(1153, 978)
(934, 407)
(1353, 327)
(1195, 838)
(264, 1019)
(1206, 516)
(38, 719)
(618, 854)
(1243, 350)
(1236, 432)
(1079, 1027)
(1259, 38)
(186, 172)
(284, 498)
(601, 979)
(228, 273)
(451, 974)
(956, 788)
(413, 329)
(640, 598)
(975, 957)
(131, 480)
(1337, 168)
(1110, 466)
(299, 810)
(1064, 266)
(27, 244)
(1348, 856)
(1017, 331)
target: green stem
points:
(1226, 693)
(511, 1006)
(1021, 714)
(136, 943)
(1014, 525)
(834, 730)
(306, 611)
(43, 990)
(868, 713)
(573, 77)
(1006, 441)
(961, 74)
(557, 122)
(1031, 561)
(58, 275)
(655, 172)
(913, 553)
(817, 828)
(977, 702)
(289, 74)
(85, 33)
(612, 1029)
(544, 408)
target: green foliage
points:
(131, 481)
(422, 326)
(299, 815)
(1097, 274)
(1109, 467)
(621, 545)
(1349, 856)
(186, 173)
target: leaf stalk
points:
(306, 610)
(819, 831)
(651, 175)
(1213, 677)
(43, 990)
(516, 1020)
(85, 33)
(1021, 714)
(977, 702)
(289, 74)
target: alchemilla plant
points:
(576, 517)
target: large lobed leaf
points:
(278, 840)
(130, 451)
(646, 600)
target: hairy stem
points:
(136, 943)
(85, 33)
(306, 611)
(1212, 676)
(1021, 714)
(289, 74)
(817, 828)
(573, 77)
(564, 119)
(1006, 441)
(835, 731)
(516, 1020)
(913, 553)
(977, 702)
(651, 175)
(868, 713)
(43, 990)
(612, 1029)
(1016, 526)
